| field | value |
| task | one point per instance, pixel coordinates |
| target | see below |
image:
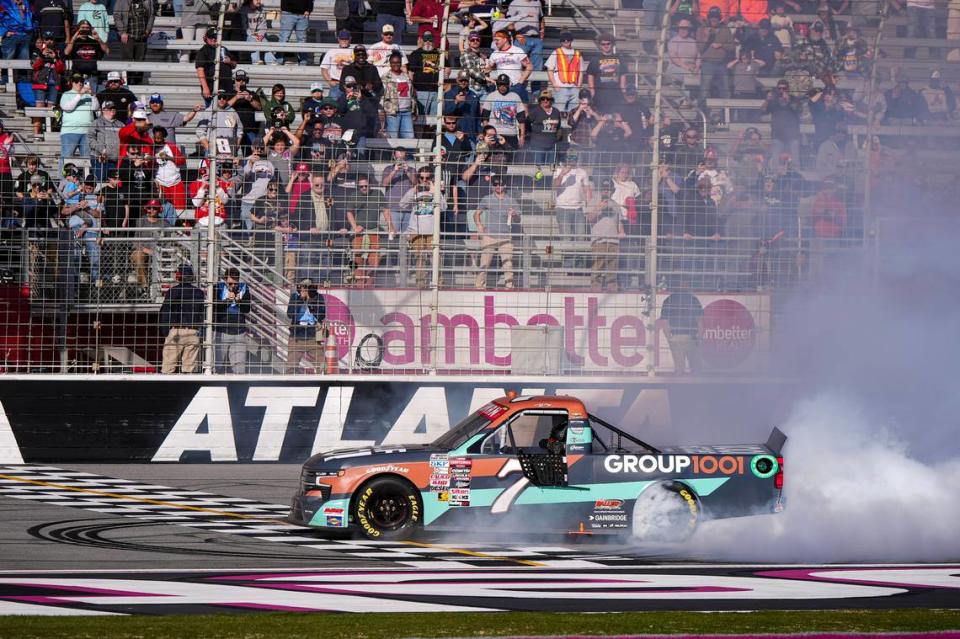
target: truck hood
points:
(363, 455)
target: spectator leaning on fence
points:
(606, 229)
(306, 312)
(145, 248)
(182, 312)
(231, 307)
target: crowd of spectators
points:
(302, 174)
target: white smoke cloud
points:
(854, 493)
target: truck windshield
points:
(460, 433)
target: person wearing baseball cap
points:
(182, 312)
(379, 52)
(366, 75)
(104, 141)
(169, 120)
(765, 46)
(79, 108)
(334, 60)
(392, 14)
(506, 111)
(133, 20)
(206, 66)
(144, 251)
(122, 97)
(136, 134)
(716, 45)
(312, 102)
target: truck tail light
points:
(778, 478)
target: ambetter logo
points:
(728, 335)
(340, 321)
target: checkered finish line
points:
(264, 521)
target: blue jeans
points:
(534, 50)
(428, 106)
(15, 47)
(521, 90)
(566, 98)
(543, 157)
(49, 94)
(399, 25)
(400, 125)
(100, 169)
(70, 143)
(93, 255)
(334, 92)
(294, 23)
(268, 56)
(920, 24)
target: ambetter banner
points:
(600, 332)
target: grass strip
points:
(396, 625)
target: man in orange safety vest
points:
(566, 68)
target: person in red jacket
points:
(136, 133)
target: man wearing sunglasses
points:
(544, 130)
(494, 218)
(421, 202)
(607, 73)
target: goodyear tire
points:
(665, 512)
(387, 508)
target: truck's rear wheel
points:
(665, 512)
(387, 508)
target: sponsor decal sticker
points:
(439, 460)
(387, 468)
(764, 466)
(608, 513)
(608, 504)
(439, 481)
(670, 464)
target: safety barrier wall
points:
(120, 419)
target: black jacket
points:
(230, 316)
(296, 6)
(182, 307)
(302, 327)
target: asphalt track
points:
(162, 539)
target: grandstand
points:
(735, 154)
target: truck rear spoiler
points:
(776, 441)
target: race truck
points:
(545, 460)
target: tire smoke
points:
(873, 454)
(854, 493)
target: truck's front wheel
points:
(665, 512)
(387, 508)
